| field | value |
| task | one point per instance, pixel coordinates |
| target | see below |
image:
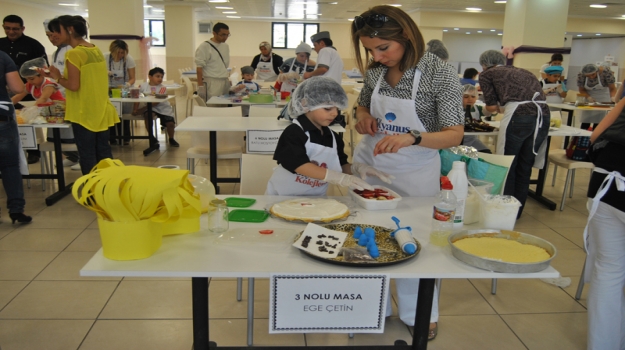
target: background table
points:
(571, 108)
(201, 255)
(217, 100)
(148, 100)
(214, 124)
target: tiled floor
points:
(45, 304)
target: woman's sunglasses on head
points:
(374, 21)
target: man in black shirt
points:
(21, 48)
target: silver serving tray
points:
(501, 266)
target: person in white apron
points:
(266, 63)
(552, 87)
(604, 235)
(400, 82)
(293, 69)
(600, 92)
(12, 160)
(521, 134)
(307, 165)
(121, 68)
(469, 97)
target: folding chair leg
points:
(239, 289)
(555, 171)
(566, 184)
(43, 166)
(493, 287)
(250, 311)
(572, 185)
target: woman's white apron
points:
(599, 93)
(264, 70)
(416, 168)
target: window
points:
(155, 28)
(289, 35)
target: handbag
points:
(578, 148)
(476, 169)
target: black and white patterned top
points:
(439, 99)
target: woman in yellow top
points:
(85, 80)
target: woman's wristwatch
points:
(417, 135)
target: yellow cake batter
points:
(502, 249)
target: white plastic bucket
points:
(499, 212)
(473, 204)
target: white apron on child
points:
(416, 168)
(599, 93)
(265, 70)
(291, 84)
(285, 183)
(552, 97)
(509, 109)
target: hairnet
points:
(589, 69)
(468, 89)
(316, 93)
(303, 47)
(25, 70)
(438, 48)
(247, 70)
(492, 58)
(45, 25)
(265, 44)
(554, 70)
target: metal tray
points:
(501, 266)
(390, 252)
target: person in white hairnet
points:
(437, 47)
(310, 155)
(293, 69)
(472, 113)
(597, 84)
(267, 63)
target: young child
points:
(309, 154)
(246, 85)
(469, 97)
(42, 88)
(551, 84)
(162, 110)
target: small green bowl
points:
(261, 98)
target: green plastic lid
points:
(239, 202)
(248, 215)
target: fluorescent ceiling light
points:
(147, 6)
(233, 16)
(456, 28)
(579, 35)
(598, 6)
(500, 2)
(334, 3)
(218, 1)
(598, 34)
(468, 33)
(350, 19)
(229, 12)
(474, 9)
(395, 5)
(445, 30)
(479, 31)
(224, 8)
(66, 4)
(492, 30)
(158, 10)
(499, 33)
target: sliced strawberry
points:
(265, 232)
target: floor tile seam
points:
(99, 314)
(45, 319)
(542, 313)
(483, 296)
(190, 318)
(15, 296)
(513, 332)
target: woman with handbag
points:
(604, 235)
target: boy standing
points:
(163, 110)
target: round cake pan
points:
(497, 265)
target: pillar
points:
(534, 23)
(118, 17)
(180, 30)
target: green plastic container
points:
(248, 215)
(261, 98)
(238, 202)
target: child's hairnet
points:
(316, 93)
(468, 89)
(25, 70)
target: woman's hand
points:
(366, 124)
(393, 143)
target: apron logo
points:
(322, 165)
(384, 128)
(308, 181)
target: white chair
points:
(47, 157)
(559, 158)
(230, 143)
(190, 96)
(262, 111)
(256, 169)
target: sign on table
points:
(118, 107)
(328, 303)
(262, 141)
(27, 136)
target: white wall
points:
(468, 48)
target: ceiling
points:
(332, 10)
